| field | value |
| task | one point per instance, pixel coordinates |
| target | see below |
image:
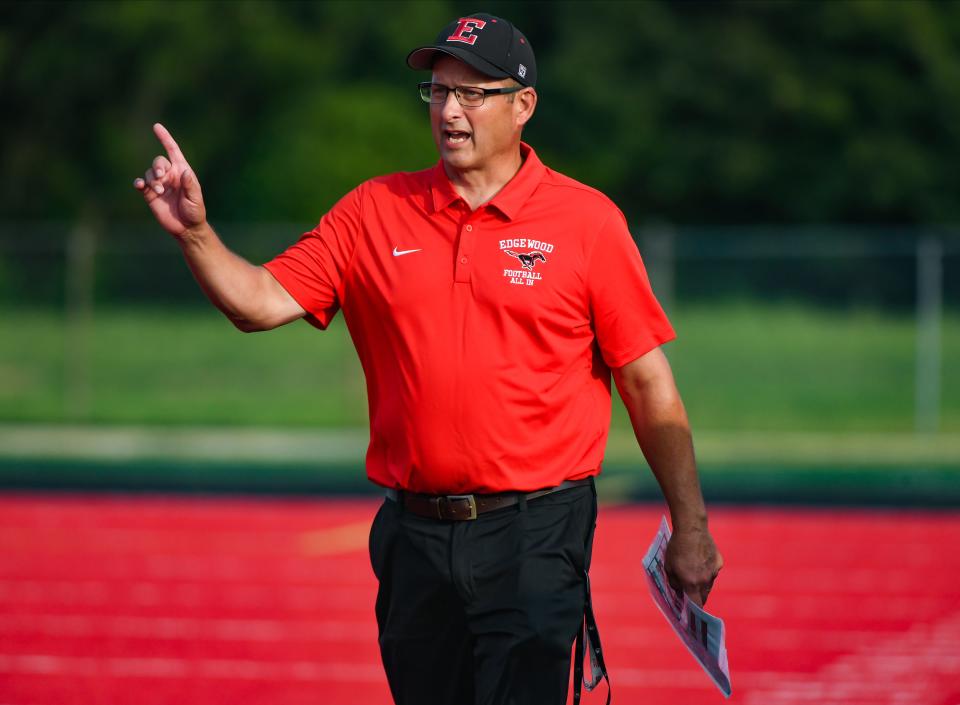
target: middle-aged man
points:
(489, 299)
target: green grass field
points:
(740, 368)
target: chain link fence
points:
(906, 273)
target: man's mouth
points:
(455, 136)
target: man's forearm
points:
(663, 433)
(233, 285)
(668, 447)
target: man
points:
(489, 299)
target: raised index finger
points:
(169, 144)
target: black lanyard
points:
(588, 641)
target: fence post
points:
(660, 258)
(81, 257)
(929, 322)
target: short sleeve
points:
(628, 320)
(314, 269)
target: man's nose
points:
(451, 108)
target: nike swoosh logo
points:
(398, 253)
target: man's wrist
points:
(689, 521)
(194, 235)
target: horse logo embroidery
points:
(528, 260)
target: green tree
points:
(782, 111)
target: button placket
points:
(464, 250)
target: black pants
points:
(483, 612)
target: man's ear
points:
(525, 105)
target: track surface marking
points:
(149, 600)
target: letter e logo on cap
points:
(466, 26)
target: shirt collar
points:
(441, 190)
(510, 198)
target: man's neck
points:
(478, 186)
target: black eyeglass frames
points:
(467, 96)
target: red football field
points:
(146, 600)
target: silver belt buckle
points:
(471, 500)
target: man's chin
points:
(457, 158)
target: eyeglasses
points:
(467, 96)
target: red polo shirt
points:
(486, 336)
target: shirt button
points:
(464, 260)
(469, 228)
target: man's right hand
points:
(171, 189)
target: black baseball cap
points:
(489, 44)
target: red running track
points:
(150, 600)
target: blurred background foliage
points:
(783, 164)
(686, 112)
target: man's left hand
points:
(692, 563)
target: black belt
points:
(463, 507)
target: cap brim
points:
(422, 60)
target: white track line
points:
(791, 606)
(175, 669)
(173, 628)
(54, 594)
(919, 666)
(81, 626)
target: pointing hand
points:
(171, 189)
